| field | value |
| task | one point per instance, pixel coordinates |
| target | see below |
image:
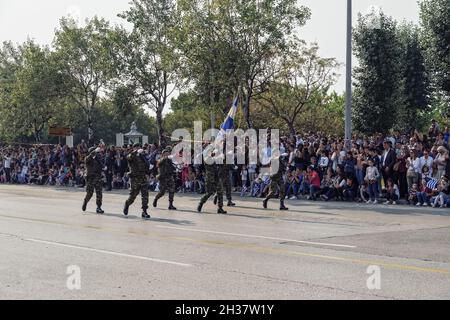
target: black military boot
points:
(100, 211)
(265, 203)
(231, 203)
(145, 215)
(199, 207)
(215, 200)
(221, 211)
(155, 203)
(171, 207)
(282, 206)
(125, 209)
(84, 206)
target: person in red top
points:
(313, 179)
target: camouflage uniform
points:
(277, 182)
(227, 180)
(138, 174)
(214, 183)
(166, 179)
(93, 178)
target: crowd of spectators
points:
(413, 168)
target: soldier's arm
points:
(90, 157)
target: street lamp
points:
(348, 92)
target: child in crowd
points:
(442, 189)
(412, 196)
(392, 192)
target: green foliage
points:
(230, 43)
(85, 63)
(379, 77)
(303, 79)
(33, 93)
(435, 21)
(146, 57)
(416, 85)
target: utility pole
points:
(348, 91)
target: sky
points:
(20, 19)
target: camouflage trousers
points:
(94, 184)
(227, 185)
(139, 185)
(274, 185)
(166, 184)
(213, 186)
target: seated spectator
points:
(412, 197)
(392, 192)
(313, 180)
(426, 192)
(443, 192)
(349, 190)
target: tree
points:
(379, 77)
(85, 63)
(416, 85)
(34, 92)
(146, 56)
(435, 21)
(232, 43)
(303, 78)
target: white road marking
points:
(259, 237)
(108, 252)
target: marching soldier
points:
(166, 178)
(94, 178)
(277, 181)
(138, 174)
(213, 184)
(226, 169)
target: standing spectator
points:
(371, 180)
(387, 161)
(413, 169)
(426, 163)
(440, 162)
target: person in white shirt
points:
(413, 169)
(426, 160)
(371, 179)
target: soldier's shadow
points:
(173, 221)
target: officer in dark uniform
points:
(94, 180)
(139, 170)
(166, 178)
(277, 182)
(213, 184)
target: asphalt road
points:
(49, 249)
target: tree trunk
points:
(291, 128)
(90, 129)
(160, 127)
(246, 108)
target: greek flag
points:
(228, 124)
(229, 120)
(432, 184)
